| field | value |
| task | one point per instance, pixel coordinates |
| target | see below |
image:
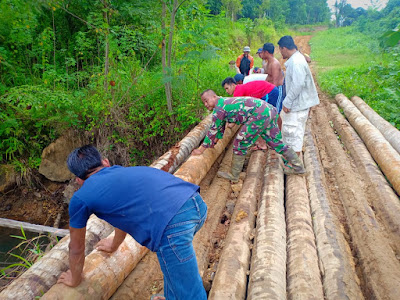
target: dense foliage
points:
(95, 66)
(363, 60)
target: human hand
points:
(285, 109)
(106, 245)
(230, 125)
(198, 151)
(67, 279)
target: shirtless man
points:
(273, 67)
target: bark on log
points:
(303, 274)
(230, 281)
(144, 280)
(339, 278)
(202, 163)
(268, 261)
(379, 266)
(390, 132)
(39, 278)
(177, 154)
(387, 158)
(105, 273)
(33, 227)
(384, 200)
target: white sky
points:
(362, 3)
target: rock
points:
(71, 188)
(54, 158)
(8, 178)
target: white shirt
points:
(300, 88)
(255, 77)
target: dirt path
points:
(321, 232)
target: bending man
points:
(160, 211)
(259, 119)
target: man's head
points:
(239, 78)
(229, 84)
(267, 50)
(209, 98)
(84, 160)
(287, 46)
(246, 50)
(259, 52)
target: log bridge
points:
(333, 234)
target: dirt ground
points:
(370, 251)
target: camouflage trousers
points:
(266, 128)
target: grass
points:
(353, 63)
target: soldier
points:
(259, 119)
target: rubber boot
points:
(297, 167)
(237, 166)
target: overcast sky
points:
(362, 3)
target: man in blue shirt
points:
(160, 211)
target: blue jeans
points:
(176, 255)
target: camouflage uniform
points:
(258, 118)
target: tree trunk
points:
(384, 200)
(107, 46)
(168, 91)
(388, 130)
(39, 278)
(177, 154)
(230, 281)
(268, 261)
(387, 158)
(335, 260)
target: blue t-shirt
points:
(138, 200)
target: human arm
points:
(73, 276)
(111, 244)
(237, 65)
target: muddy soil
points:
(38, 205)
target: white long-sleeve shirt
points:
(300, 88)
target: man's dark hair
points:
(287, 42)
(229, 81)
(269, 47)
(84, 159)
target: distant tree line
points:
(284, 11)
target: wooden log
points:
(202, 163)
(339, 278)
(303, 274)
(103, 273)
(230, 280)
(42, 275)
(384, 200)
(387, 158)
(268, 260)
(144, 280)
(391, 133)
(177, 154)
(379, 267)
(8, 223)
(111, 270)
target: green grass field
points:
(353, 63)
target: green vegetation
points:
(125, 74)
(26, 253)
(355, 61)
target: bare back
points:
(274, 71)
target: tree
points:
(232, 7)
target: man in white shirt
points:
(301, 94)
